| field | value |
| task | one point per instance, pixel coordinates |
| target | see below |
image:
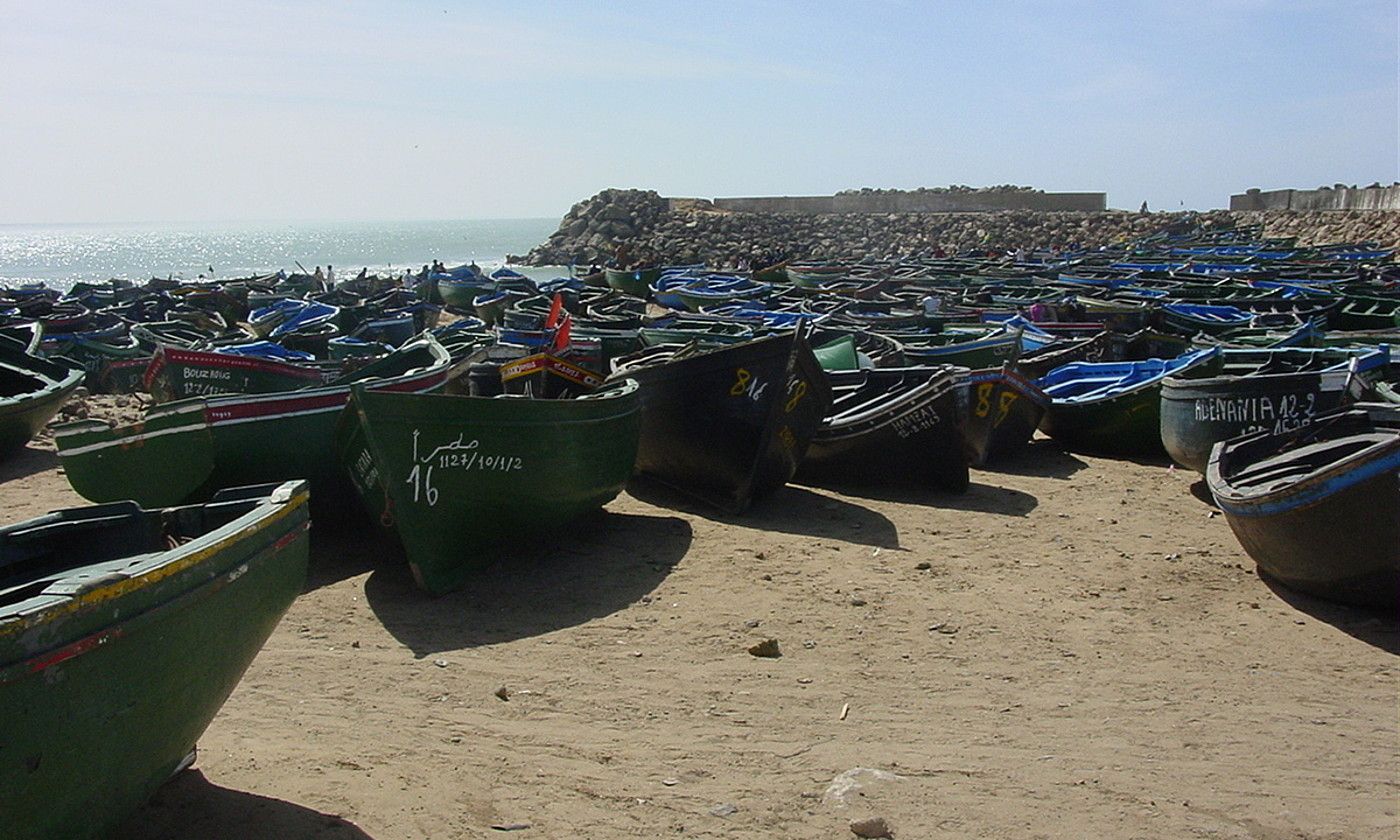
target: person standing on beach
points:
(330, 276)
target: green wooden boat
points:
(185, 451)
(31, 392)
(458, 476)
(981, 348)
(97, 354)
(633, 281)
(122, 632)
(176, 374)
(1363, 312)
(121, 376)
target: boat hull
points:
(457, 477)
(732, 424)
(1196, 414)
(914, 437)
(185, 451)
(1122, 420)
(1333, 533)
(635, 282)
(177, 374)
(1002, 411)
(102, 711)
(34, 389)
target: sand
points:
(1076, 647)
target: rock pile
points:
(696, 232)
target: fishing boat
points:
(970, 349)
(1277, 391)
(458, 476)
(1002, 410)
(1318, 508)
(632, 281)
(727, 425)
(1046, 355)
(32, 390)
(176, 374)
(1115, 407)
(891, 426)
(122, 632)
(184, 451)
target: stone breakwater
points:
(651, 228)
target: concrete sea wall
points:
(907, 201)
(1323, 198)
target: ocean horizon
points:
(61, 254)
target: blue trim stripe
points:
(1292, 500)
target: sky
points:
(183, 111)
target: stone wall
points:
(938, 200)
(1338, 197)
(653, 229)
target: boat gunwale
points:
(1315, 486)
(281, 502)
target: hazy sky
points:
(125, 111)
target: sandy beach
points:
(1076, 647)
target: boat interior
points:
(59, 555)
(1294, 465)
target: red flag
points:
(554, 309)
(561, 338)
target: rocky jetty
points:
(652, 228)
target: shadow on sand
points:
(983, 498)
(1374, 626)
(26, 462)
(1043, 458)
(1201, 491)
(189, 805)
(607, 561)
(345, 546)
(790, 510)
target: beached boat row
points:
(482, 408)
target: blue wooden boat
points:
(715, 289)
(1191, 318)
(1114, 407)
(1318, 508)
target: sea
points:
(61, 255)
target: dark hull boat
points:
(1196, 414)
(1002, 411)
(458, 476)
(1318, 508)
(731, 424)
(897, 426)
(1037, 363)
(32, 390)
(122, 632)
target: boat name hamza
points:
(1255, 409)
(916, 421)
